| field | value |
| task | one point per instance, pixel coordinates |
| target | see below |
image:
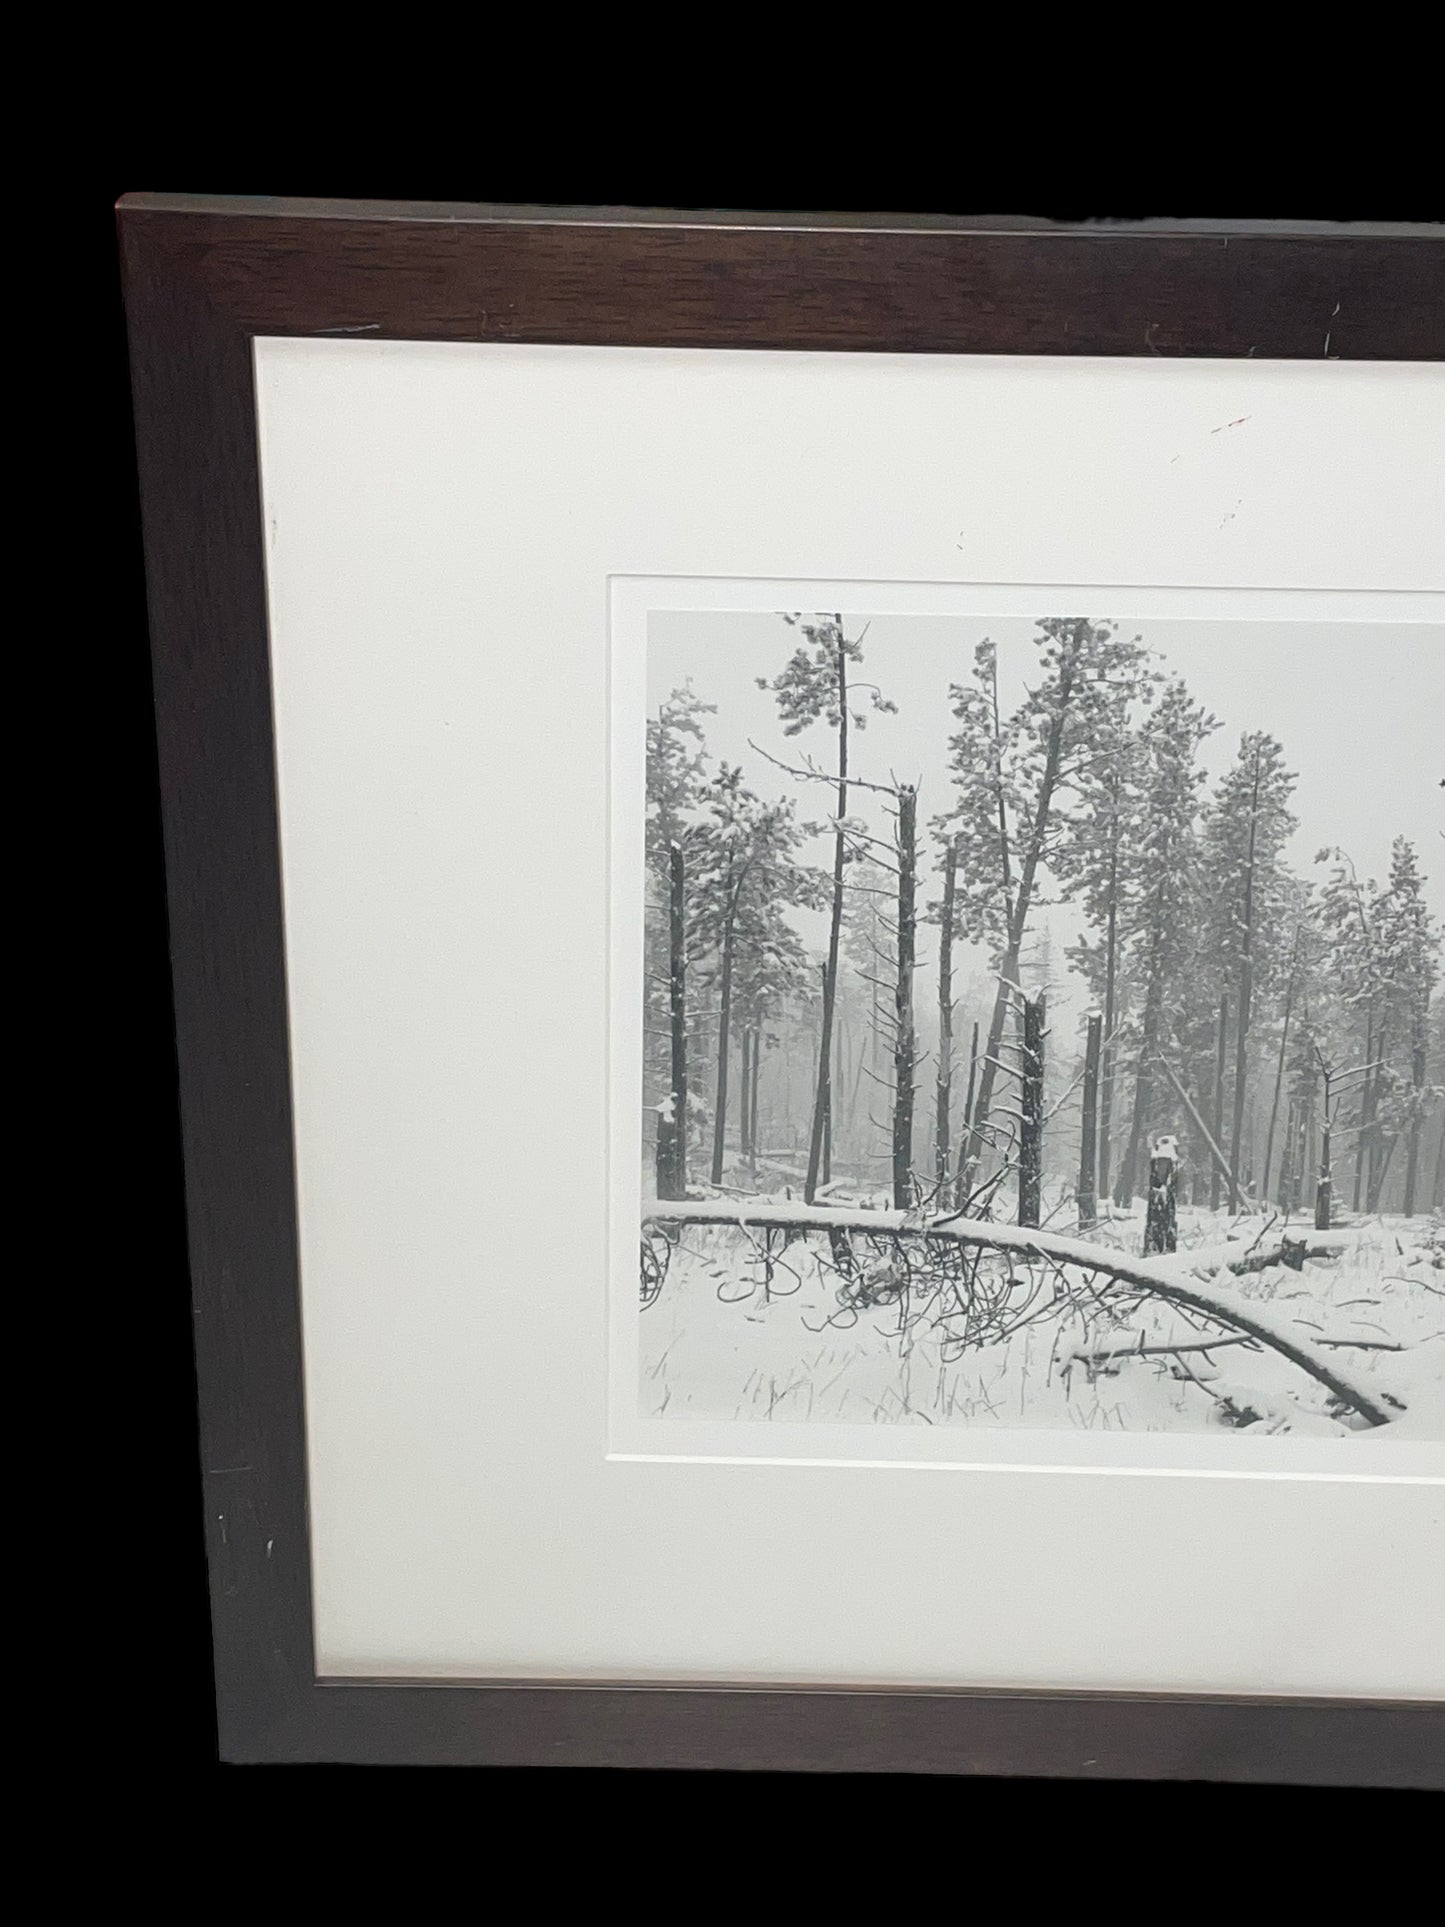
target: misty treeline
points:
(1282, 1028)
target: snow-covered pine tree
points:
(745, 870)
(1096, 863)
(1013, 777)
(676, 772)
(771, 967)
(870, 946)
(1409, 961)
(1350, 919)
(817, 685)
(1290, 1000)
(1246, 887)
(1166, 885)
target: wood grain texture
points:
(203, 278)
(1351, 295)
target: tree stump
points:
(1161, 1225)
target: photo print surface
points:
(1041, 1023)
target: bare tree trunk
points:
(724, 1026)
(1031, 1106)
(1363, 1131)
(942, 1148)
(1379, 1151)
(1279, 1067)
(1221, 1052)
(745, 1095)
(1288, 1152)
(825, 1176)
(1412, 1152)
(1437, 1189)
(1108, 1049)
(837, 1096)
(744, 1048)
(1246, 987)
(1088, 1193)
(1161, 1223)
(1019, 910)
(672, 1141)
(904, 1045)
(1378, 1194)
(1143, 1085)
(1221, 1162)
(1325, 1184)
(961, 1191)
(753, 1101)
(823, 1107)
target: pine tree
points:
(1350, 912)
(676, 772)
(816, 686)
(745, 868)
(1248, 824)
(1409, 946)
(1096, 864)
(1013, 777)
(1166, 884)
(675, 779)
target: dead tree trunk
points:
(1288, 1152)
(823, 1104)
(944, 1089)
(1031, 1109)
(1417, 1105)
(672, 1125)
(1150, 1027)
(961, 1183)
(1379, 1151)
(1246, 988)
(1107, 1046)
(1220, 1161)
(724, 1041)
(753, 1103)
(1161, 1224)
(1021, 902)
(1221, 1049)
(744, 1070)
(1325, 1184)
(1362, 1133)
(904, 1042)
(1279, 1067)
(1088, 1194)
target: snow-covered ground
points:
(718, 1343)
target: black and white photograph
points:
(1043, 1023)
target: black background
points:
(807, 148)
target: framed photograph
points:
(806, 874)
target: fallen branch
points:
(1110, 1354)
(1230, 1257)
(1161, 1277)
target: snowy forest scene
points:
(1043, 1023)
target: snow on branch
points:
(1162, 1278)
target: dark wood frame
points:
(204, 277)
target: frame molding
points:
(203, 278)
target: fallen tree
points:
(1241, 1258)
(1169, 1279)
